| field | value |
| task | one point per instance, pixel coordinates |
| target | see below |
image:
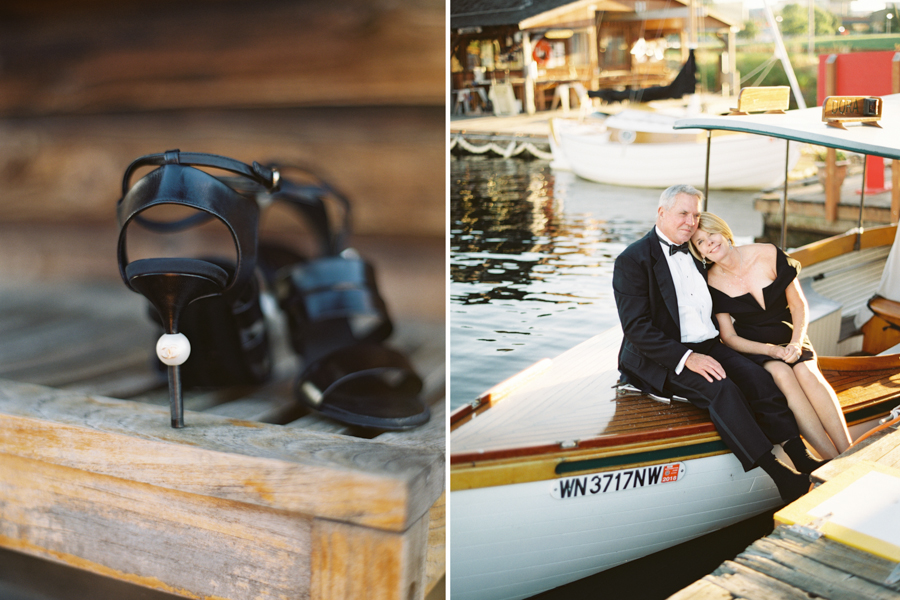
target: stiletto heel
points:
(175, 286)
(176, 399)
(170, 292)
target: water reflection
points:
(520, 262)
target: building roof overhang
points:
(529, 15)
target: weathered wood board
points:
(355, 90)
(882, 447)
(785, 565)
(389, 161)
(228, 507)
(93, 56)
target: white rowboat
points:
(642, 149)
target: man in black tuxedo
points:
(671, 347)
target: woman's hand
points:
(776, 352)
(791, 353)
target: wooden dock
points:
(255, 498)
(806, 206)
(791, 564)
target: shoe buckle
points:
(276, 179)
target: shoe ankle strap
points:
(308, 201)
(265, 176)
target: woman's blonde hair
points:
(711, 223)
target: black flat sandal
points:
(338, 322)
(212, 302)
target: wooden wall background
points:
(354, 89)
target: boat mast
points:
(781, 53)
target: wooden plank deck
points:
(255, 498)
(575, 399)
(787, 564)
(574, 395)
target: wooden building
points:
(545, 46)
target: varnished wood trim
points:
(887, 309)
(839, 245)
(859, 363)
(599, 442)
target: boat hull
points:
(515, 541)
(737, 162)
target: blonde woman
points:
(762, 313)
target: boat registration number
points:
(616, 481)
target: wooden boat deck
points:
(582, 420)
(788, 565)
(254, 498)
(574, 396)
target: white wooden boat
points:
(639, 148)
(594, 127)
(556, 476)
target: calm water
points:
(532, 252)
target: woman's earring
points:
(704, 262)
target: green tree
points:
(749, 31)
(795, 20)
(879, 22)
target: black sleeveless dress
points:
(771, 325)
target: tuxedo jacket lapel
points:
(664, 278)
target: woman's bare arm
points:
(799, 312)
(734, 341)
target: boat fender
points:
(627, 136)
(541, 52)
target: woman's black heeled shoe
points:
(338, 323)
(175, 286)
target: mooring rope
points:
(512, 149)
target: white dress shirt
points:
(694, 301)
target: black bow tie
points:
(673, 249)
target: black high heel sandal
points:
(209, 298)
(338, 322)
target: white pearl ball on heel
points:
(173, 348)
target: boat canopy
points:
(806, 125)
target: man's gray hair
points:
(667, 198)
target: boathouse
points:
(525, 57)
